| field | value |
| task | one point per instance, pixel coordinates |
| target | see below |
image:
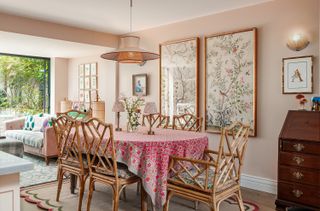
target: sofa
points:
(36, 142)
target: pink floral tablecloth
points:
(147, 156)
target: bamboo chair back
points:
(75, 114)
(157, 120)
(62, 127)
(101, 150)
(219, 169)
(71, 141)
(187, 122)
(232, 147)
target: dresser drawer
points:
(301, 160)
(302, 194)
(299, 175)
(301, 146)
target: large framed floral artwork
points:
(179, 75)
(231, 77)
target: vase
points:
(133, 123)
(131, 127)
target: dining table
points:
(147, 156)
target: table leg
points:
(73, 183)
(144, 195)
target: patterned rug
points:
(43, 197)
(41, 173)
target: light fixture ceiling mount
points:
(129, 50)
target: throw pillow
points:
(38, 123)
(46, 123)
(29, 123)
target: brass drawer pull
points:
(298, 147)
(297, 175)
(298, 160)
(297, 193)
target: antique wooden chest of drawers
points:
(299, 161)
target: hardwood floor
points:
(265, 201)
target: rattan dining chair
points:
(158, 120)
(70, 160)
(187, 122)
(76, 114)
(216, 177)
(103, 166)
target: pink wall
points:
(275, 21)
(106, 82)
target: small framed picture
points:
(81, 83)
(81, 70)
(87, 96)
(140, 85)
(81, 95)
(93, 68)
(93, 82)
(87, 83)
(297, 75)
(87, 69)
(94, 95)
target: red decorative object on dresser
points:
(299, 161)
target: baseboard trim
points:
(259, 183)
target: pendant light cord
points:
(130, 16)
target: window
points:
(24, 85)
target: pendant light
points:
(129, 50)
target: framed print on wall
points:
(179, 77)
(297, 75)
(88, 83)
(230, 80)
(140, 85)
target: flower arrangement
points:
(302, 100)
(132, 106)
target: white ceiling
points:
(44, 47)
(113, 15)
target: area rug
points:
(41, 173)
(43, 197)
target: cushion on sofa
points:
(30, 138)
(38, 123)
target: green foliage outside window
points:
(24, 86)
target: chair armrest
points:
(49, 142)
(14, 124)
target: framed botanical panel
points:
(87, 69)
(93, 68)
(179, 77)
(297, 75)
(140, 85)
(231, 77)
(88, 83)
(93, 83)
(81, 70)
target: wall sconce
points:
(298, 42)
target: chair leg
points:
(144, 204)
(124, 194)
(196, 205)
(115, 200)
(166, 205)
(138, 187)
(46, 159)
(240, 200)
(91, 189)
(60, 178)
(81, 191)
